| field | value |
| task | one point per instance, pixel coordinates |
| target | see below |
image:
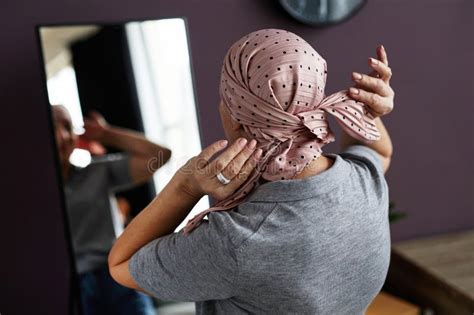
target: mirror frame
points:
(74, 304)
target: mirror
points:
(122, 100)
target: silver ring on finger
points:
(221, 178)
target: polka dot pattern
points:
(272, 82)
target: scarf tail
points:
(352, 116)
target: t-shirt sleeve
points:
(198, 267)
(366, 155)
(117, 166)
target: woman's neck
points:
(316, 167)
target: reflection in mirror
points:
(123, 101)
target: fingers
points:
(89, 120)
(233, 168)
(236, 163)
(95, 115)
(384, 71)
(371, 84)
(382, 57)
(374, 89)
(205, 156)
(245, 171)
(371, 99)
(382, 54)
(221, 162)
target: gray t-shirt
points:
(92, 208)
(318, 245)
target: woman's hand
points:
(198, 175)
(374, 89)
(95, 126)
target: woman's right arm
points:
(374, 90)
(383, 146)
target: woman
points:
(92, 207)
(294, 231)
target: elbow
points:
(387, 157)
(115, 268)
(112, 259)
(389, 152)
(164, 155)
(121, 273)
(157, 161)
(114, 274)
(118, 273)
(386, 161)
(167, 155)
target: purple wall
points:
(431, 53)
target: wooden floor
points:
(386, 304)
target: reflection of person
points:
(92, 208)
(294, 231)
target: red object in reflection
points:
(94, 147)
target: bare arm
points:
(146, 157)
(383, 146)
(376, 93)
(159, 218)
(172, 205)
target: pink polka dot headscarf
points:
(272, 83)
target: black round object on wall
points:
(322, 12)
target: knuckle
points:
(373, 98)
(248, 150)
(220, 164)
(244, 174)
(379, 85)
(391, 92)
(198, 160)
(367, 80)
(231, 170)
(214, 146)
(242, 155)
(370, 82)
(362, 96)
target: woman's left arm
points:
(173, 203)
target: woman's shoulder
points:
(241, 222)
(364, 155)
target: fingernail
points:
(374, 61)
(223, 143)
(354, 90)
(252, 144)
(242, 141)
(258, 153)
(381, 47)
(356, 76)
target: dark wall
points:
(431, 53)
